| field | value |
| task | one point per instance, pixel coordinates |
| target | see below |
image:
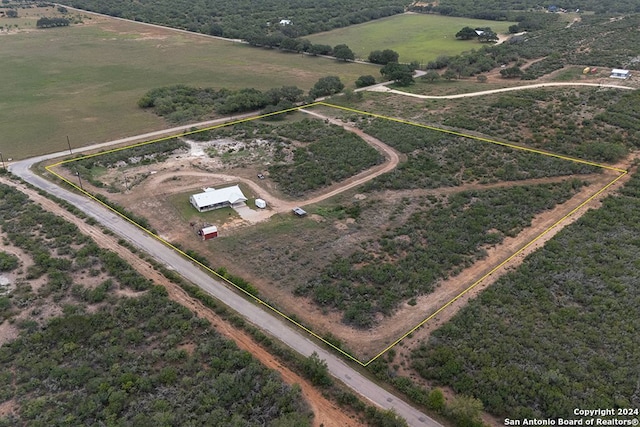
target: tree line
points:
(247, 19)
(182, 104)
(502, 10)
(45, 22)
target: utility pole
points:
(69, 144)
(79, 180)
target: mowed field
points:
(84, 81)
(416, 37)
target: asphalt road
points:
(252, 311)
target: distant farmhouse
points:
(212, 199)
(617, 73)
(285, 22)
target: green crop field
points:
(84, 81)
(415, 37)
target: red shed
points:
(209, 232)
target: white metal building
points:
(212, 199)
(617, 73)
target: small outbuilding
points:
(208, 232)
(212, 199)
(617, 73)
(261, 204)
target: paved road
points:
(252, 311)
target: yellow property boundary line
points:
(275, 310)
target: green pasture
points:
(84, 81)
(416, 37)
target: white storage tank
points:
(261, 203)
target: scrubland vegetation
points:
(438, 238)
(557, 333)
(436, 159)
(552, 45)
(246, 19)
(594, 124)
(308, 154)
(139, 360)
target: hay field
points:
(416, 37)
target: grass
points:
(570, 74)
(416, 37)
(84, 81)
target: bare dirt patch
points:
(9, 407)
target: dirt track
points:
(326, 412)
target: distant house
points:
(212, 199)
(553, 8)
(617, 73)
(285, 22)
(479, 32)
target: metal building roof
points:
(212, 196)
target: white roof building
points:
(214, 199)
(617, 73)
(285, 22)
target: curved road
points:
(381, 87)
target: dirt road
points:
(383, 88)
(326, 412)
(157, 183)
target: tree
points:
(343, 52)
(326, 86)
(466, 411)
(364, 81)
(8, 261)
(316, 370)
(288, 93)
(320, 49)
(351, 96)
(449, 75)
(482, 78)
(431, 76)
(467, 33)
(400, 73)
(435, 400)
(291, 44)
(12, 13)
(487, 36)
(383, 57)
(511, 72)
